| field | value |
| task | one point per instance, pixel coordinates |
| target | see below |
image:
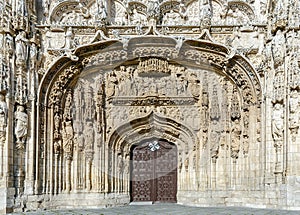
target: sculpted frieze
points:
(152, 100)
(108, 57)
(152, 78)
(165, 52)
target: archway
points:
(154, 171)
(188, 84)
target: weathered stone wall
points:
(81, 82)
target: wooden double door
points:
(154, 171)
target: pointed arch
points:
(152, 125)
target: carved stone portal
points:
(103, 113)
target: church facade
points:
(109, 102)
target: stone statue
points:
(120, 164)
(21, 126)
(68, 105)
(206, 14)
(171, 18)
(135, 17)
(21, 48)
(193, 85)
(111, 85)
(89, 136)
(102, 10)
(153, 10)
(215, 135)
(3, 113)
(277, 123)
(236, 131)
(3, 118)
(69, 38)
(88, 103)
(67, 137)
(294, 102)
(33, 55)
(278, 48)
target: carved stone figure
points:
(245, 145)
(3, 118)
(136, 18)
(235, 138)
(3, 113)
(21, 127)
(67, 137)
(215, 135)
(153, 10)
(294, 102)
(193, 86)
(111, 86)
(171, 18)
(69, 38)
(277, 124)
(67, 127)
(89, 136)
(206, 14)
(33, 55)
(21, 48)
(278, 48)
(102, 10)
(294, 113)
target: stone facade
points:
(83, 82)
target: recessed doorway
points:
(154, 171)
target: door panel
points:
(166, 187)
(142, 174)
(154, 172)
